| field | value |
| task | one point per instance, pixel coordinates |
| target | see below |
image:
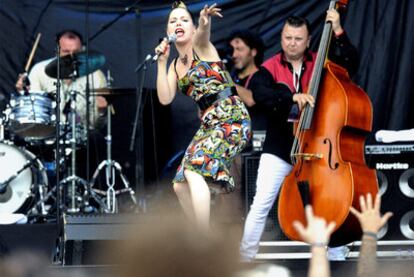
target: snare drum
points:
(18, 195)
(32, 116)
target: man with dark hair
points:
(247, 56)
(293, 67)
(252, 41)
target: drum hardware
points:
(111, 166)
(39, 207)
(67, 133)
(65, 137)
(1, 130)
(72, 136)
(73, 179)
(41, 202)
(26, 179)
(44, 198)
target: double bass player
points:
(292, 66)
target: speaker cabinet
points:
(34, 238)
(396, 186)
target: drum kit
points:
(30, 120)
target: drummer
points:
(70, 42)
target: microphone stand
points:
(107, 25)
(59, 205)
(143, 66)
(87, 94)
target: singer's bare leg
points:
(182, 190)
(200, 196)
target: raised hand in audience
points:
(370, 216)
(371, 221)
(317, 233)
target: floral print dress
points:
(224, 129)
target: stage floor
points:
(297, 268)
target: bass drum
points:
(21, 192)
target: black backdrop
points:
(381, 29)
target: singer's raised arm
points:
(202, 35)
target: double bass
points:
(329, 170)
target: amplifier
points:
(390, 156)
(380, 149)
(395, 172)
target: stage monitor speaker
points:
(86, 236)
(40, 239)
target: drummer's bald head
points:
(70, 41)
(70, 34)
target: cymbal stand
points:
(110, 166)
(1, 129)
(72, 179)
(60, 249)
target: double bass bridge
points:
(308, 156)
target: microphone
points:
(171, 38)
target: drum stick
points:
(29, 61)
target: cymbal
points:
(74, 66)
(112, 91)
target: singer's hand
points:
(163, 50)
(19, 82)
(207, 12)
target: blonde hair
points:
(179, 4)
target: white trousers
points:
(270, 174)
